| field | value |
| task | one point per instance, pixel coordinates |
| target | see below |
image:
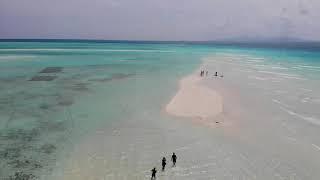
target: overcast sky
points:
(160, 19)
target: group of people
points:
(205, 73)
(164, 163)
(202, 73)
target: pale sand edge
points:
(194, 100)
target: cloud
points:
(303, 10)
(159, 20)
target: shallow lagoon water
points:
(105, 86)
(40, 118)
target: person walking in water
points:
(164, 163)
(202, 73)
(174, 159)
(216, 74)
(153, 173)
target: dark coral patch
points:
(43, 78)
(51, 70)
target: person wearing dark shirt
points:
(164, 163)
(174, 159)
(153, 173)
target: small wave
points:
(283, 75)
(305, 100)
(275, 73)
(277, 67)
(307, 90)
(258, 78)
(7, 59)
(276, 79)
(311, 67)
(280, 92)
(15, 57)
(260, 65)
(281, 103)
(312, 120)
(93, 50)
(295, 67)
(286, 108)
(255, 61)
(294, 77)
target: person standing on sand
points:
(153, 173)
(216, 74)
(164, 163)
(174, 159)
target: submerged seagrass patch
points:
(43, 78)
(51, 70)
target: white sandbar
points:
(195, 100)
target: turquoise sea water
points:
(101, 84)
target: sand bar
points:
(195, 100)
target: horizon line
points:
(159, 41)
